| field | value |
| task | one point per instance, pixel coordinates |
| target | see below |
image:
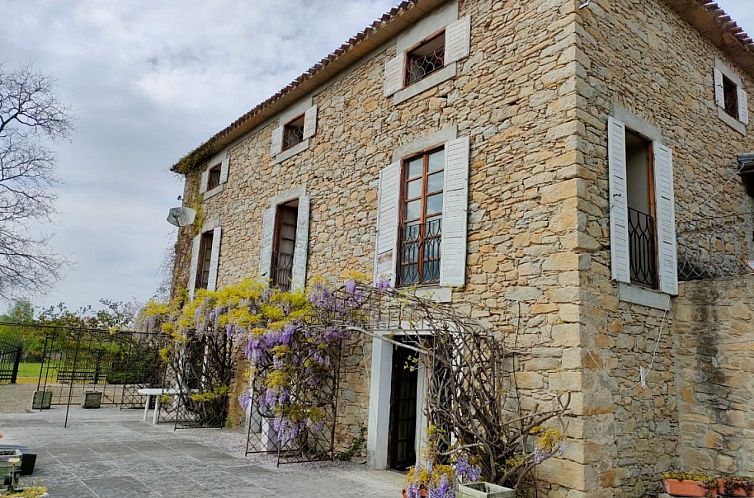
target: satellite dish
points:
(181, 216)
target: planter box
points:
(484, 490)
(92, 399)
(41, 400)
(687, 487)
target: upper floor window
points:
(425, 59)
(284, 245)
(421, 218)
(213, 176)
(204, 261)
(293, 132)
(730, 97)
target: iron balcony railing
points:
(282, 270)
(642, 238)
(715, 247)
(420, 252)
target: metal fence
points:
(10, 358)
(716, 247)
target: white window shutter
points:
(393, 75)
(224, 168)
(719, 92)
(214, 261)
(619, 244)
(310, 122)
(195, 245)
(454, 213)
(265, 251)
(204, 180)
(665, 206)
(743, 105)
(458, 40)
(388, 202)
(300, 252)
(276, 142)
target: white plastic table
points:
(157, 392)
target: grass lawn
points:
(29, 372)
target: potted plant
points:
(92, 399)
(735, 486)
(689, 484)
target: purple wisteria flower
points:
(244, 400)
(383, 284)
(444, 489)
(351, 286)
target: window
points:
(213, 177)
(642, 234)
(421, 218)
(284, 245)
(204, 261)
(293, 132)
(730, 97)
(425, 59)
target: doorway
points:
(403, 400)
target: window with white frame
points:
(422, 217)
(642, 210)
(205, 260)
(294, 134)
(215, 174)
(730, 97)
(285, 240)
(427, 58)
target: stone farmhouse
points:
(582, 168)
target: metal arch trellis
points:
(470, 392)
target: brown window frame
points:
(730, 97)
(288, 132)
(407, 81)
(423, 217)
(282, 265)
(213, 176)
(204, 260)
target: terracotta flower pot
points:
(687, 487)
(423, 493)
(737, 491)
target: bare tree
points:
(30, 117)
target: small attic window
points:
(426, 58)
(293, 132)
(213, 177)
(730, 97)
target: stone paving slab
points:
(111, 453)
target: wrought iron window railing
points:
(421, 66)
(282, 270)
(716, 247)
(642, 238)
(292, 135)
(420, 252)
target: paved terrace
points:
(112, 453)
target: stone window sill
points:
(211, 193)
(425, 84)
(731, 121)
(645, 297)
(434, 293)
(288, 153)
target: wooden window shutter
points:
(719, 92)
(224, 168)
(195, 245)
(393, 75)
(388, 203)
(214, 261)
(665, 202)
(276, 142)
(619, 244)
(300, 253)
(743, 105)
(458, 40)
(265, 251)
(204, 180)
(454, 213)
(310, 122)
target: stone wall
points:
(639, 55)
(713, 352)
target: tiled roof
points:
(707, 17)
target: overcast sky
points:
(147, 82)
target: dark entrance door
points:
(401, 450)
